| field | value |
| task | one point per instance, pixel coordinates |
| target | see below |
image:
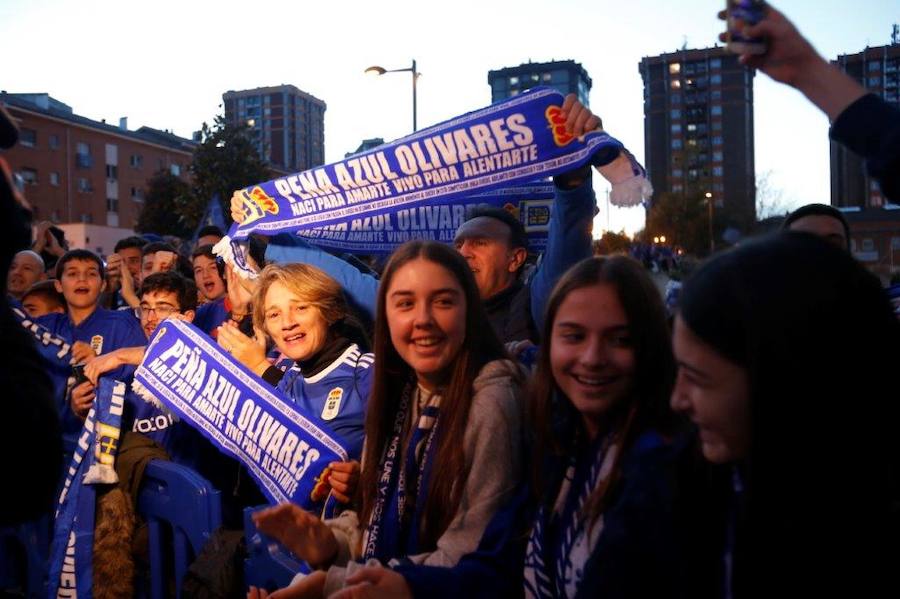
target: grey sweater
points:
(493, 453)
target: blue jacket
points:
(335, 397)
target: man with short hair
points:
(163, 295)
(820, 219)
(209, 235)
(27, 268)
(127, 254)
(43, 298)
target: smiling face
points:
(206, 276)
(426, 315)
(80, 283)
(591, 353)
(296, 326)
(715, 393)
(132, 259)
(26, 270)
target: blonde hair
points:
(309, 283)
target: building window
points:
(175, 169)
(717, 156)
(717, 125)
(84, 185)
(112, 172)
(868, 245)
(29, 175)
(677, 187)
(874, 81)
(546, 77)
(718, 187)
(675, 84)
(675, 113)
(54, 178)
(137, 194)
(675, 98)
(137, 161)
(875, 65)
(717, 140)
(675, 68)
(676, 128)
(53, 141)
(715, 79)
(27, 137)
(677, 173)
(715, 94)
(715, 63)
(82, 148)
(717, 171)
(514, 81)
(716, 110)
(112, 205)
(676, 144)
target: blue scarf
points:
(71, 551)
(382, 234)
(513, 141)
(393, 529)
(287, 454)
(561, 540)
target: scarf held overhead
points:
(288, 455)
(518, 140)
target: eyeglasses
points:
(162, 312)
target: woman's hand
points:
(374, 582)
(237, 207)
(249, 351)
(240, 291)
(303, 534)
(308, 587)
(343, 480)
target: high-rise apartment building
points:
(566, 76)
(698, 131)
(286, 124)
(878, 70)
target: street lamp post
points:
(376, 70)
(712, 239)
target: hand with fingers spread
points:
(82, 353)
(344, 479)
(82, 399)
(302, 533)
(374, 582)
(240, 292)
(249, 351)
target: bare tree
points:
(769, 199)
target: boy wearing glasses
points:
(163, 295)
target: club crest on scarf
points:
(557, 121)
(257, 203)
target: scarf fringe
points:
(225, 249)
(148, 396)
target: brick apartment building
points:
(78, 171)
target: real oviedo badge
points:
(332, 404)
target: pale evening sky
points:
(166, 64)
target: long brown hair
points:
(392, 374)
(557, 422)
